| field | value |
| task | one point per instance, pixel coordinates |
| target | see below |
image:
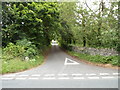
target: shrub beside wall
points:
(94, 51)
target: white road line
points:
(34, 78)
(23, 75)
(9, 75)
(104, 74)
(6, 78)
(62, 74)
(78, 78)
(49, 78)
(77, 74)
(72, 62)
(36, 75)
(64, 78)
(93, 77)
(90, 74)
(107, 77)
(115, 73)
(49, 75)
(21, 78)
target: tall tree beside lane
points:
(34, 21)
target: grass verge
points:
(18, 57)
(16, 64)
(113, 60)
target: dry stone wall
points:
(94, 51)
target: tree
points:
(34, 21)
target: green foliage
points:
(29, 27)
(32, 20)
(13, 58)
(22, 49)
(16, 65)
(30, 49)
(40, 22)
(97, 58)
(30, 52)
(24, 42)
(12, 51)
(109, 42)
(87, 27)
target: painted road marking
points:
(72, 62)
(10, 75)
(35, 75)
(49, 75)
(64, 78)
(24, 75)
(107, 77)
(116, 73)
(93, 77)
(62, 74)
(78, 78)
(34, 78)
(91, 74)
(49, 78)
(21, 78)
(77, 74)
(104, 74)
(7, 78)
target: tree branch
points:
(90, 8)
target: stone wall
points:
(94, 51)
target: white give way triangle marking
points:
(70, 62)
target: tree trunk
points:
(84, 41)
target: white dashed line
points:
(62, 74)
(24, 75)
(93, 77)
(7, 78)
(9, 75)
(49, 75)
(104, 74)
(34, 78)
(49, 78)
(35, 75)
(77, 74)
(64, 78)
(21, 78)
(107, 77)
(91, 74)
(115, 73)
(78, 78)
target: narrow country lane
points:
(62, 71)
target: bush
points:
(30, 49)
(24, 42)
(12, 51)
(23, 48)
(15, 56)
(16, 65)
(30, 52)
(114, 60)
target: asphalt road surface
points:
(62, 71)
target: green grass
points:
(97, 58)
(16, 64)
(13, 57)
